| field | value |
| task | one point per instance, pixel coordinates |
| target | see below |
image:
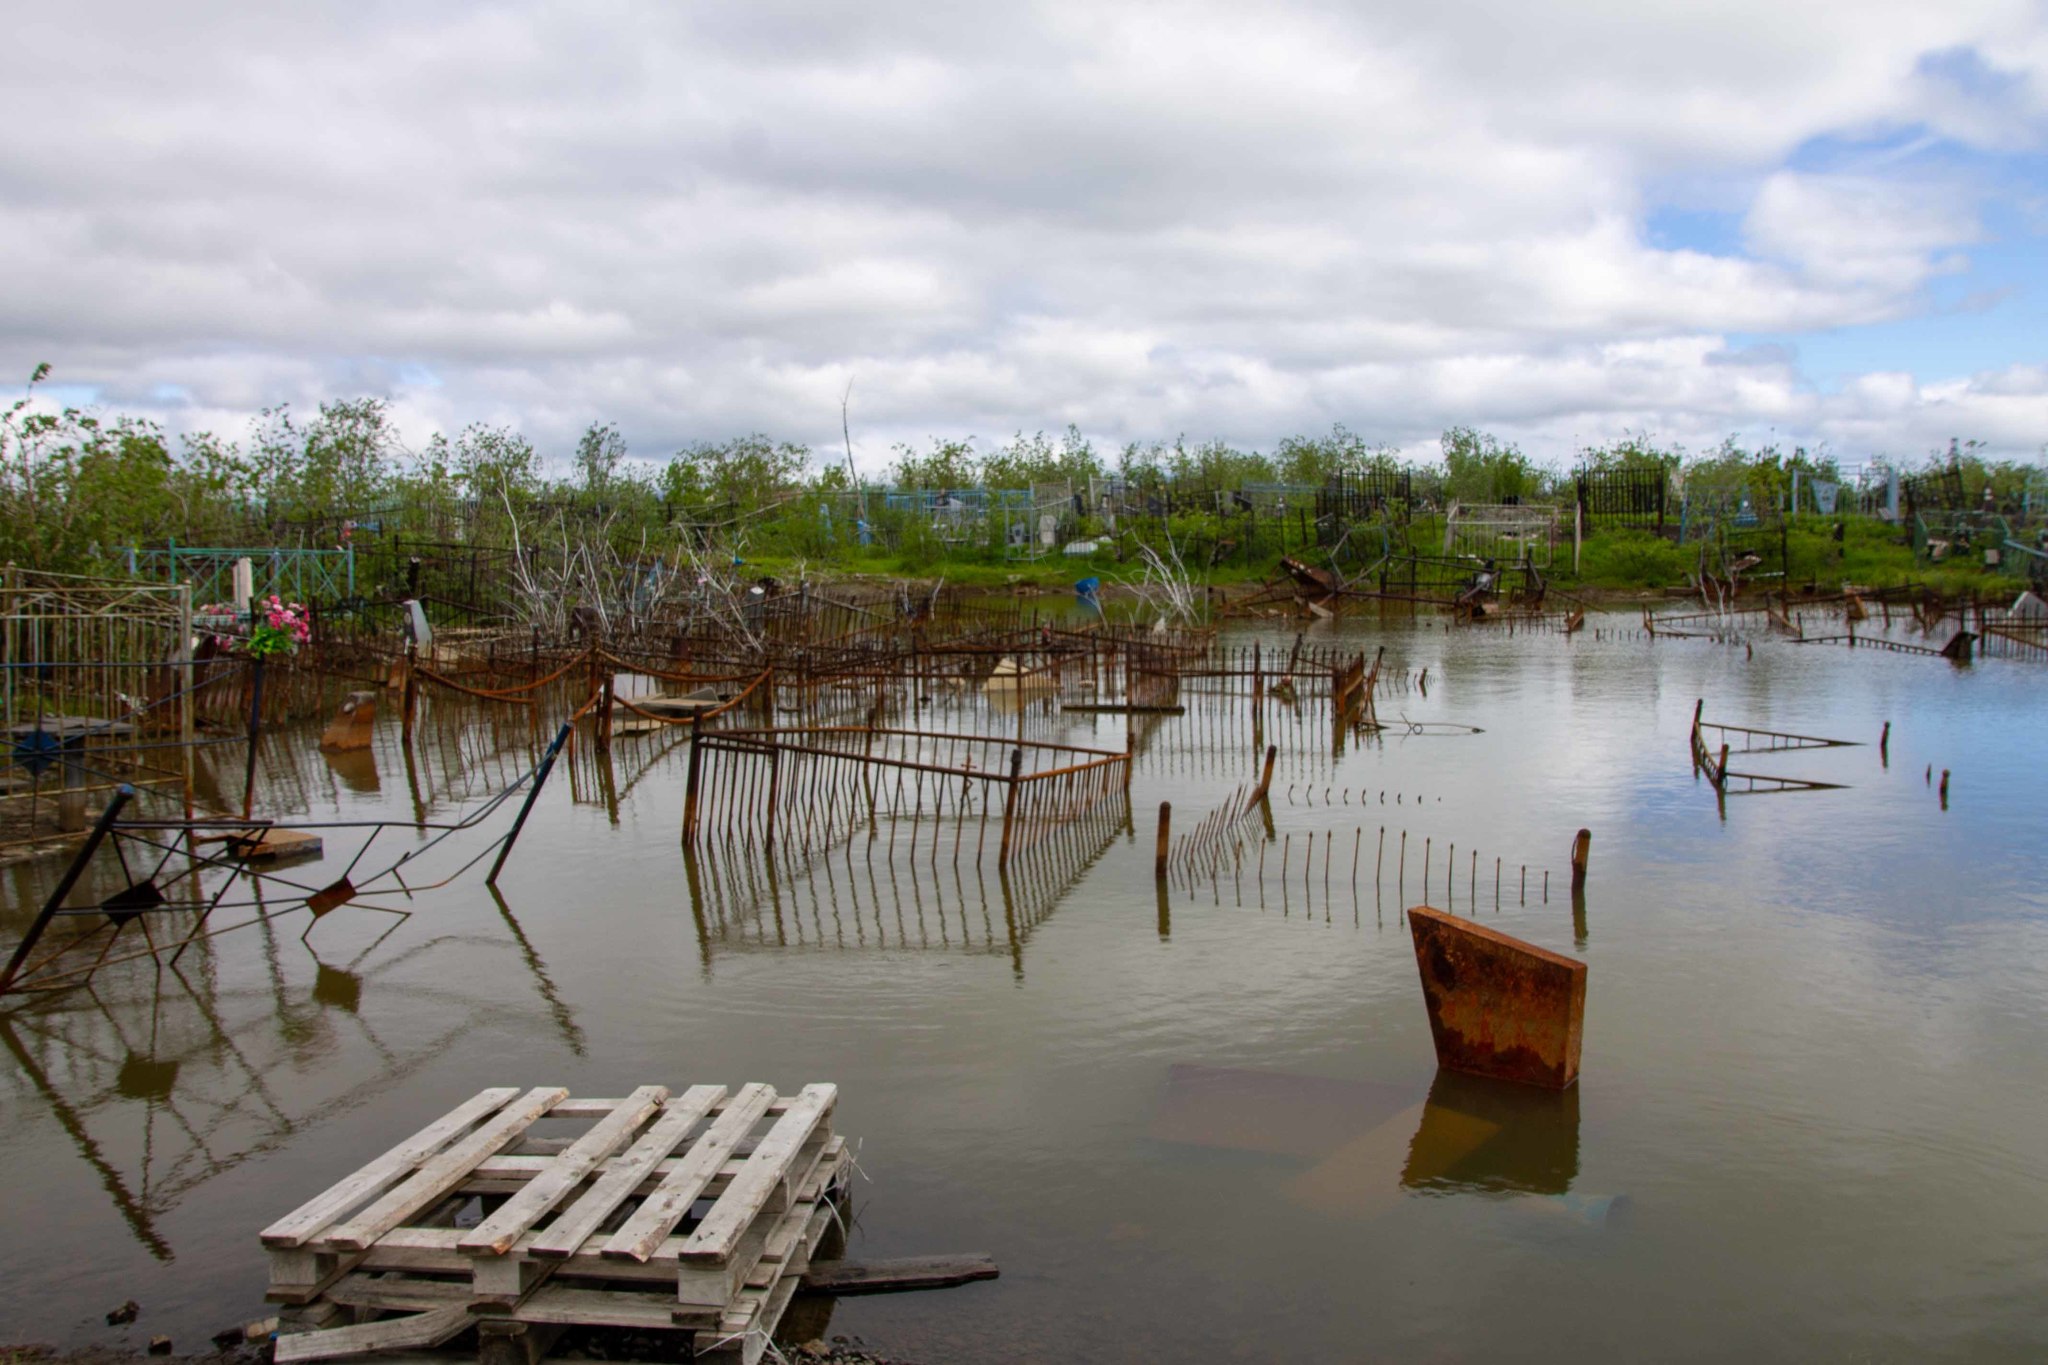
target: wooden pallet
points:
(693, 1212)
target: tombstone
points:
(353, 724)
(244, 579)
(416, 628)
(1497, 1006)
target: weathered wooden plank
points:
(316, 1213)
(301, 1276)
(900, 1275)
(397, 1293)
(430, 1328)
(509, 1174)
(496, 1234)
(577, 1108)
(499, 1283)
(659, 1213)
(797, 1233)
(598, 1308)
(746, 1337)
(291, 1267)
(527, 1153)
(713, 1284)
(443, 1172)
(826, 1173)
(766, 1169)
(432, 1250)
(402, 1249)
(333, 1266)
(623, 1176)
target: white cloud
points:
(1243, 222)
(1856, 232)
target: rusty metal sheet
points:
(1498, 1006)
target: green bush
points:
(1625, 559)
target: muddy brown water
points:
(1810, 1126)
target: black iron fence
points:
(1637, 498)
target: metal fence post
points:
(540, 777)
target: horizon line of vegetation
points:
(78, 487)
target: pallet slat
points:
(530, 1153)
(316, 1213)
(767, 1168)
(903, 1273)
(432, 1250)
(623, 1176)
(443, 1172)
(658, 1215)
(496, 1234)
(594, 1229)
(712, 1284)
(430, 1328)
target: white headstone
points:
(416, 627)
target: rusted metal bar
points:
(36, 929)
(540, 777)
(1009, 808)
(1160, 845)
(690, 783)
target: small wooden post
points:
(1944, 789)
(1165, 833)
(1582, 849)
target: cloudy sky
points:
(1810, 222)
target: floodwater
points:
(1811, 1124)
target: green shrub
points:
(1626, 559)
